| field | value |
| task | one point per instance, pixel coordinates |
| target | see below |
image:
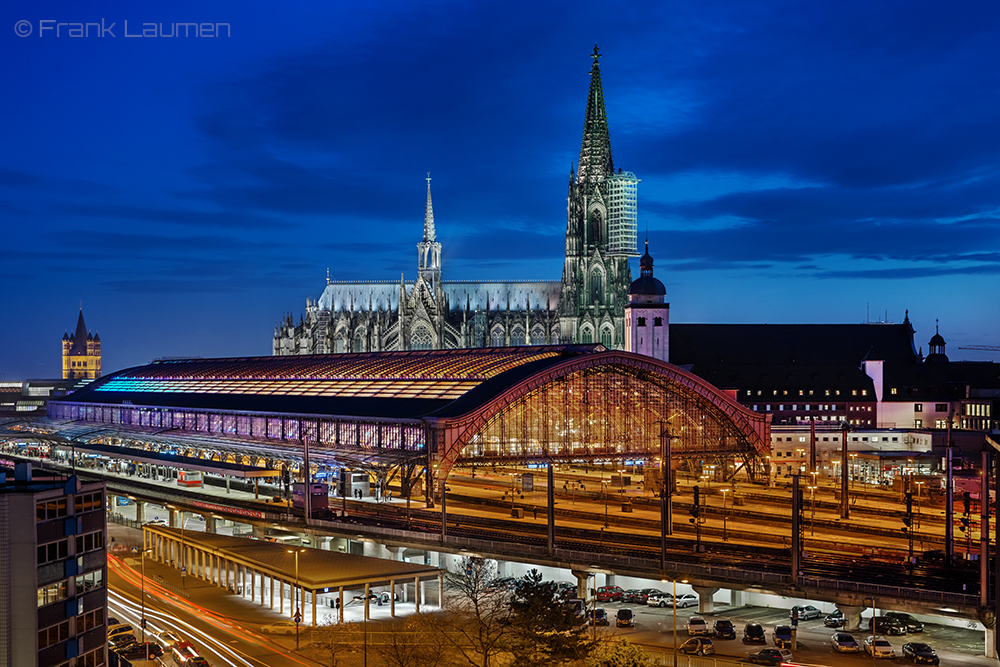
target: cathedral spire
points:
(429, 236)
(596, 163)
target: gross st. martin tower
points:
(600, 234)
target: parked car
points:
(609, 594)
(920, 653)
(279, 628)
(844, 642)
(908, 621)
(697, 646)
(879, 647)
(197, 661)
(141, 650)
(770, 656)
(834, 619)
(805, 612)
(625, 618)
(121, 640)
(887, 626)
(119, 629)
(631, 595)
(597, 616)
(753, 633)
(646, 593)
(687, 600)
(698, 626)
(782, 636)
(724, 629)
(664, 600)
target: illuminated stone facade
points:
(81, 353)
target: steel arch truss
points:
(608, 406)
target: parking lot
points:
(654, 629)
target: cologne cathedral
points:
(587, 306)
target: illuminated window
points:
(51, 593)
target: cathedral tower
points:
(81, 353)
(429, 250)
(600, 234)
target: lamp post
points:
(621, 480)
(295, 596)
(142, 597)
(604, 486)
(725, 536)
(812, 510)
(513, 475)
(854, 468)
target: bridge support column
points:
(852, 616)
(140, 509)
(991, 647)
(176, 517)
(582, 577)
(609, 579)
(735, 598)
(706, 605)
(258, 532)
(210, 524)
(395, 553)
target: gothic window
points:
(422, 339)
(359, 341)
(586, 336)
(606, 338)
(595, 228)
(538, 336)
(641, 322)
(657, 321)
(596, 287)
(496, 337)
(517, 336)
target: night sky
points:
(803, 162)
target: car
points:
(908, 621)
(625, 618)
(122, 639)
(566, 589)
(782, 636)
(753, 633)
(698, 626)
(724, 629)
(197, 661)
(844, 642)
(279, 628)
(168, 639)
(646, 593)
(139, 650)
(879, 647)
(597, 617)
(804, 612)
(687, 600)
(887, 626)
(119, 629)
(920, 653)
(770, 656)
(665, 600)
(609, 594)
(834, 619)
(697, 646)
(112, 621)
(631, 595)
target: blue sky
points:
(800, 162)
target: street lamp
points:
(604, 486)
(621, 479)
(295, 596)
(725, 537)
(513, 475)
(142, 597)
(812, 510)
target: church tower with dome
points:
(647, 315)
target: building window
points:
(657, 321)
(496, 338)
(918, 407)
(918, 423)
(517, 337)
(606, 338)
(51, 593)
(421, 339)
(53, 635)
(53, 551)
(642, 322)
(89, 542)
(52, 509)
(587, 337)
(941, 407)
(893, 391)
(940, 423)
(89, 581)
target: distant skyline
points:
(800, 163)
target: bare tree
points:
(477, 613)
(334, 640)
(419, 643)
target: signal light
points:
(695, 509)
